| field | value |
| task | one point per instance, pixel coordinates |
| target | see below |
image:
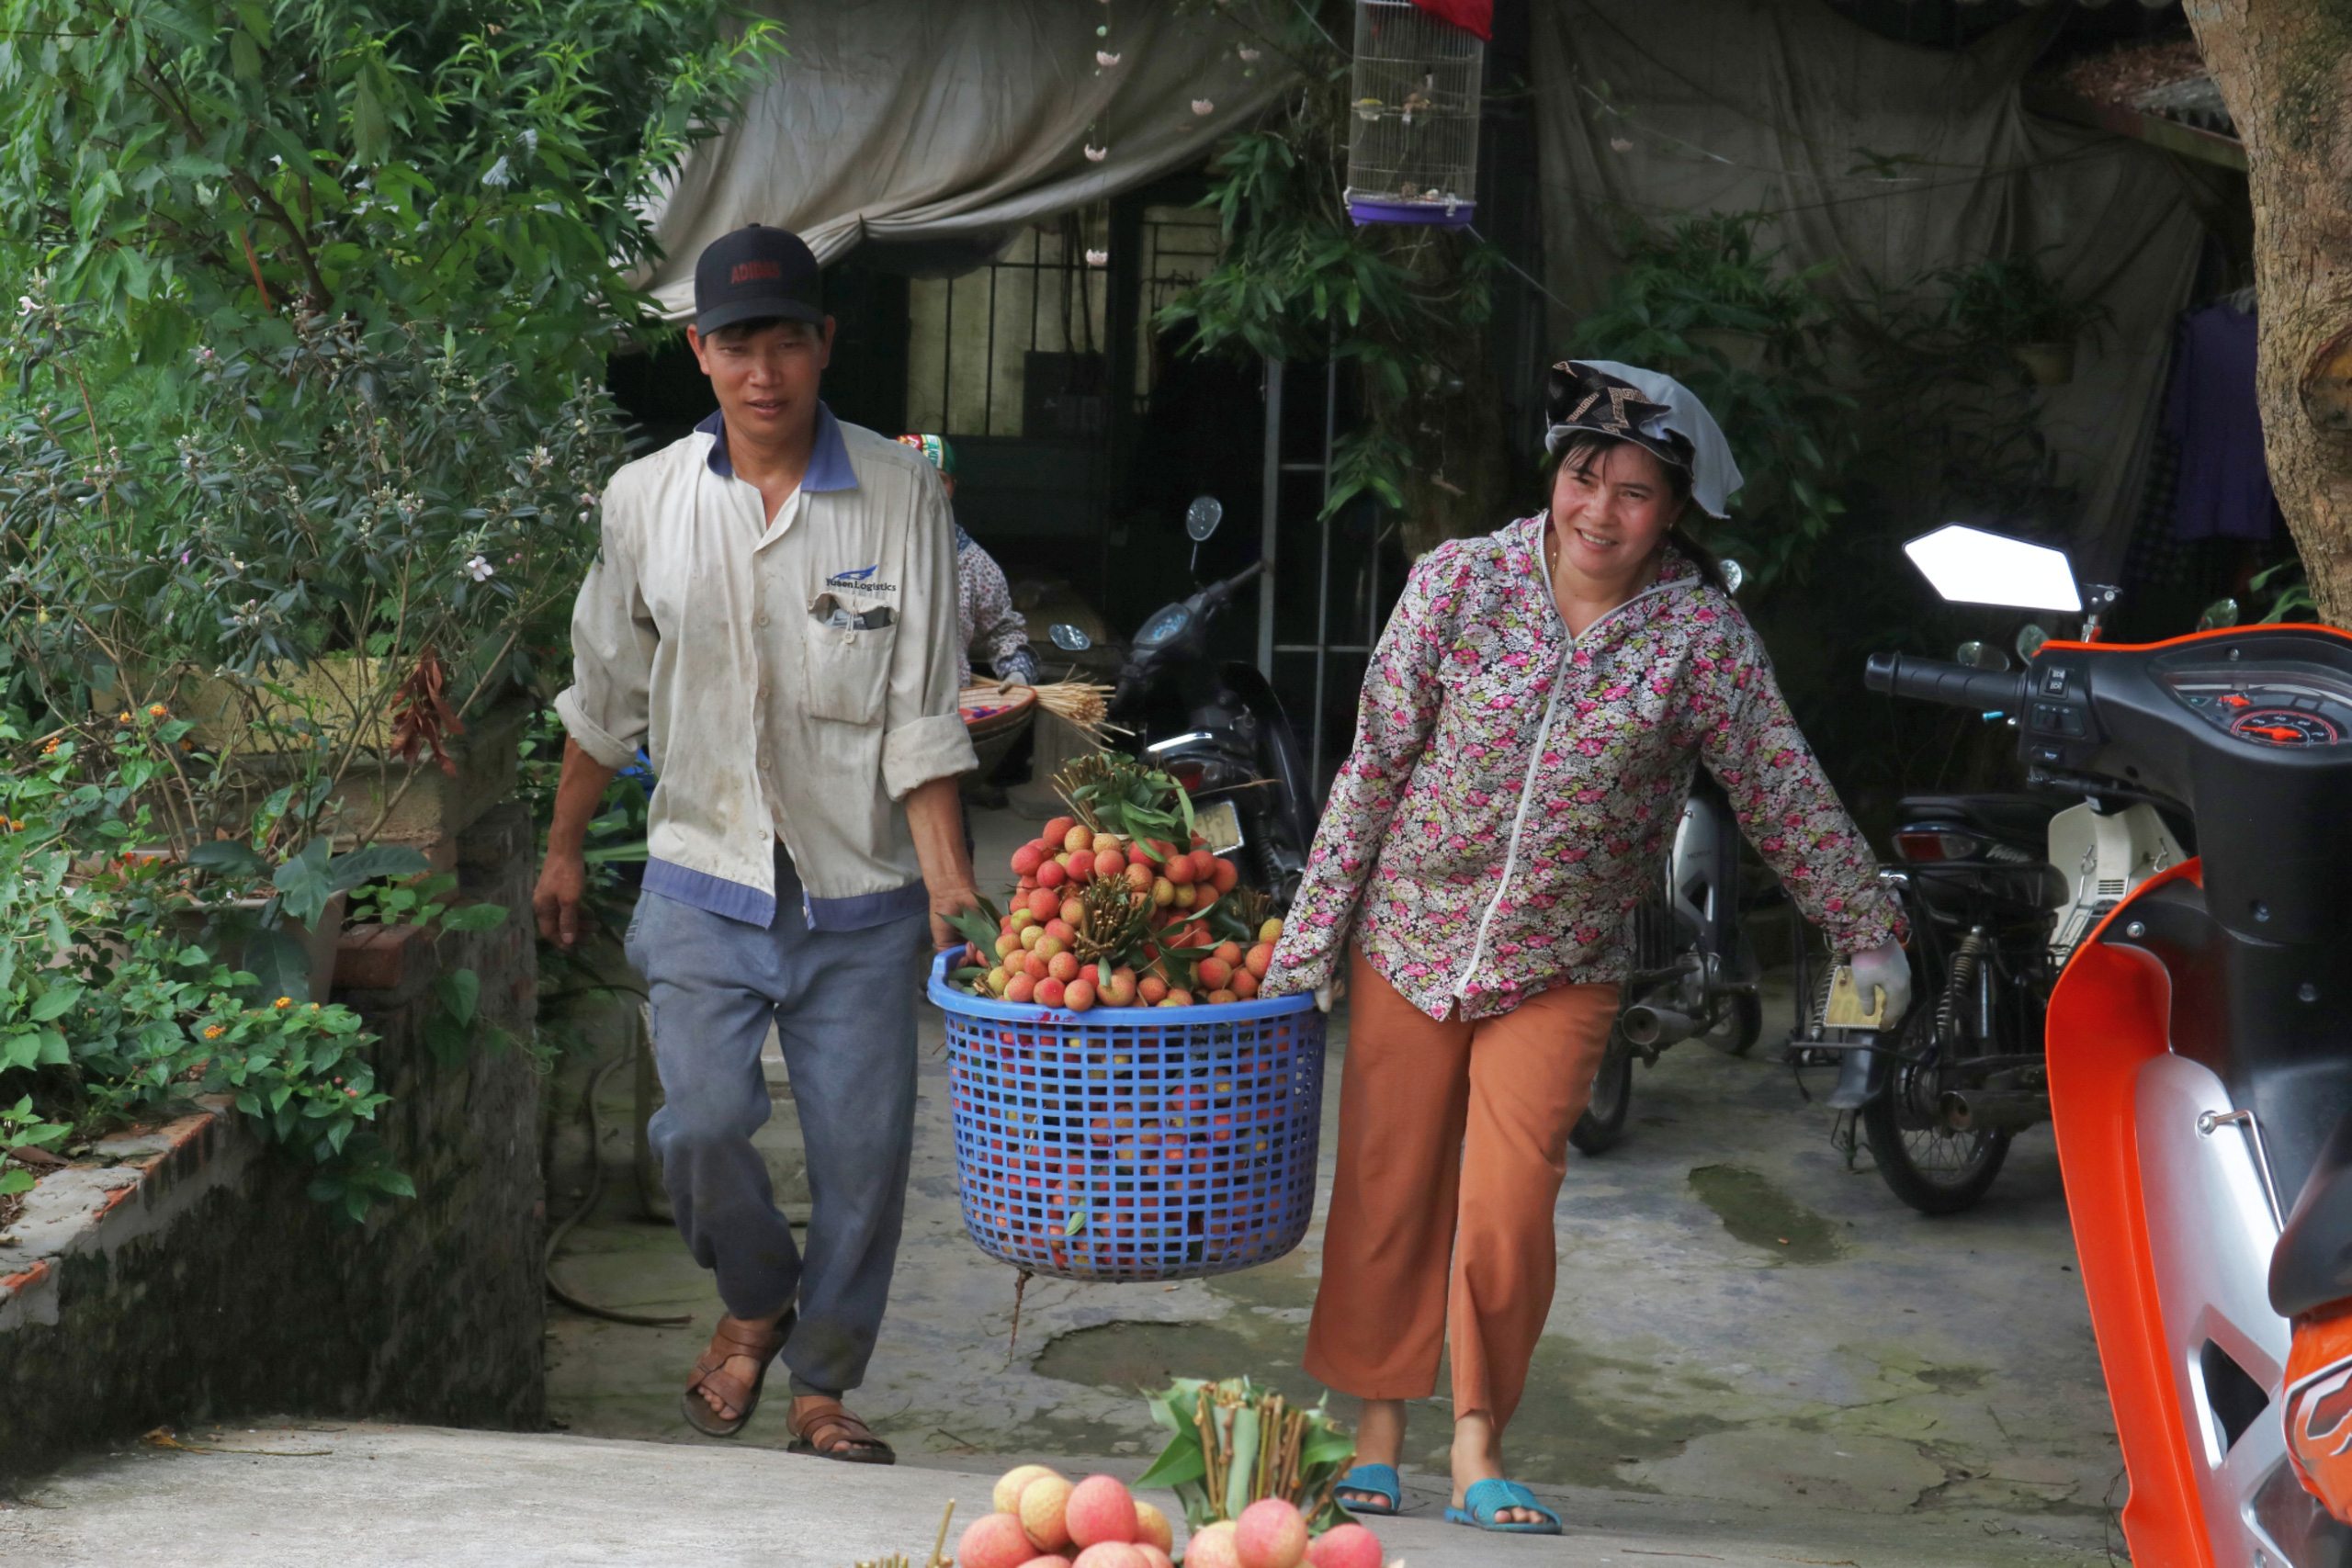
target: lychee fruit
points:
(1078, 995)
(995, 1541)
(1152, 990)
(1101, 1510)
(1213, 972)
(1063, 966)
(1051, 875)
(1110, 862)
(1344, 1546)
(1260, 960)
(1055, 831)
(1271, 931)
(1213, 1546)
(1027, 859)
(1020, 988)
(1045, 903)
(1152, 1528)
(1077, 837)
(1109, 1554)
(1042, 1502)
(1271, 1533)
(1244, 984)
(1050, 992)
(1179, 870)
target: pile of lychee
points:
(1043, 1521)
(1097, 919)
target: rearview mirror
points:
(1069, 638)
(1969, 566)
(1202, 517)
(1980, 656)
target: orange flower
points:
(214, 1031)
(123, 718)
(282, 1003)
(158, 710)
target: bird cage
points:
(1413, 151)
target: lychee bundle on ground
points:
(1121, 904)
(1043, 1521)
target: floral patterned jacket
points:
(1513, 791)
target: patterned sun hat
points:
(935, 447)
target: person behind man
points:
(774, 613)
(984, 612)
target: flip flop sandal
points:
(732, 1338)
(1380, 1481)
(827, 1425)
(1485, 1500)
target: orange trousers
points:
(1453, 1141)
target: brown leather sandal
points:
(732, 1338)
(828, 1424)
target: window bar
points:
(988, 366)
(947, 364)
(1269, 495)
(1323, 566)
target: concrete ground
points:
(365, 1495)
(1755, 1355)
(1742, 1322)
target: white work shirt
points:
(791, 679)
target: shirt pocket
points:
(845, 672)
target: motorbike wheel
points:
(1602, 1125)
(1929, 1165)
(1742, 1027)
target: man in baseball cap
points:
(773, 615)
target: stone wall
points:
(183, 1273)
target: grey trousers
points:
(843, 1004)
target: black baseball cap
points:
(755, 274)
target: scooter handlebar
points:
(1933, 680)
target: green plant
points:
(1404, 308)
(246, 165)
(1791, 429)
(111, 1002)
(331, 590)
(2290, 587)
(2013, 299)
(21, 1127)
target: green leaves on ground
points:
(1233, 1444)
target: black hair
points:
(1580, 451)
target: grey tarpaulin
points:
(1889, 159)
(921, 120)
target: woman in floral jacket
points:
(1528, 733)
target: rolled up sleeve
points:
(606, 707)
(923, 733)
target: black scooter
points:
(1219, 730)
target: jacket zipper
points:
(1527, 785)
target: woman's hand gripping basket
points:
(1133, 1143)
(1127, 1106)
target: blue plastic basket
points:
(1133, 1143)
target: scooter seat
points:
(2311, 1265)
(2021, 820)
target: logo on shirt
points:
(861, 580)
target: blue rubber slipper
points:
(1381, 1480)
(1488, 1498)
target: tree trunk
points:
(2284, 68)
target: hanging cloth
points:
(2211, 411)
(1471, 16)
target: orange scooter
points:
(2200, 1048)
